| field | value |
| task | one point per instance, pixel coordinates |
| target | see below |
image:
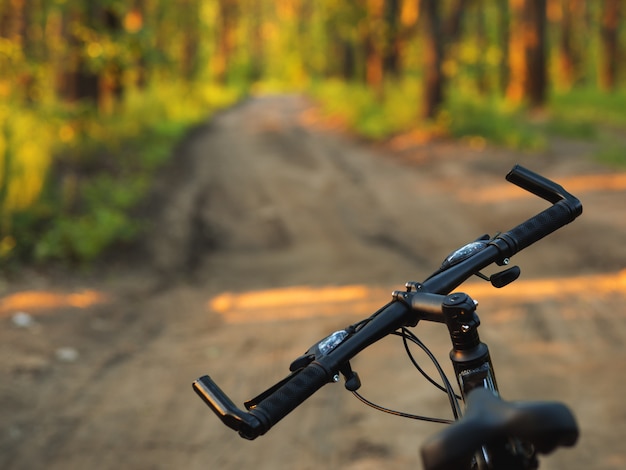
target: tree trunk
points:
(348, 59)
(110, 79)
(345, 52)
(567, 58)
(226, 38)
(191, 39)
(256, 42)
(504, 36)
(133, 23)
(482, 82)
(16, 17)
(536, 72)
(527, 52)
(516, 84)
(74, 82)
(610, 44)
(374, 45)
(433, 59)
(391, 54)
(13, 21)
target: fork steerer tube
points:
(473, 369)
(470, 357)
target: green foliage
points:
(103, 166)
(366, 111)
(593, 115)
(565, 126)
(464, 116)
(491, 119)
(95, 94)
(579, 114)
(590, 106)
(24, 161)
(84, 238)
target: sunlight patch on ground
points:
(40, 301)
(295, 302)
(358, 300)
(574, 185)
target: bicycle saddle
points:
(489, 419)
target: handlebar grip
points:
(272, 406)
(489, 419)
(288, 397)
(224, 408)
(537, 227)
(565, 209)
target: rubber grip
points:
(489, 419)
(537, 227)
(284, 400)
(537, 184)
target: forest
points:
(95, 94)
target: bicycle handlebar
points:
(273, 405)
(489, 419)
(262, 416)
(278, 401)
(564, 210)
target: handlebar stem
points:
(459, 311)
(470, 357)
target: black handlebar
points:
(489, 420)
(262, 416)
(564, 210)
(539, 185)
(274, 404)
(407, 310)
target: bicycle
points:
(491, 433)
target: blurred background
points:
(93, 95)
(210, 186)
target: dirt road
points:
(272, 230)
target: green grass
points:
(611, 149)
(590, 107)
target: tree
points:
(84, 71)
(346, 29)
(535, 37)
(433, 59)
(255, 36)
(392, 46)
(189, 9)
(374, 43)
(527, 52)
(569, 57)
(611, 10)
(227, 20)
(439, 40)
(504, 39)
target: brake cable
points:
(407, 336)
